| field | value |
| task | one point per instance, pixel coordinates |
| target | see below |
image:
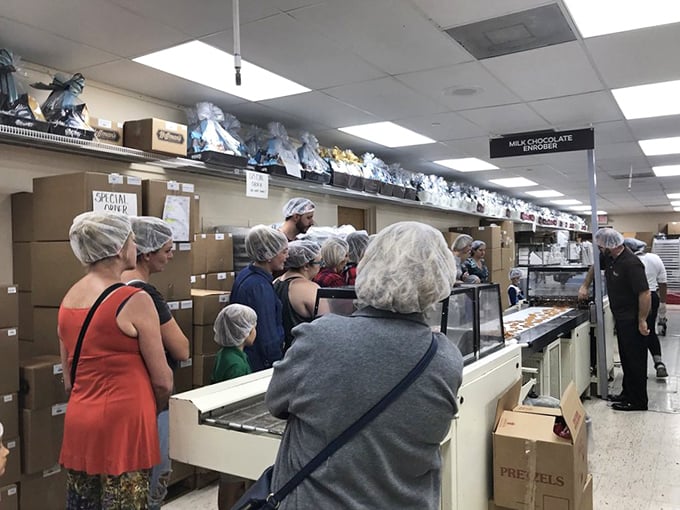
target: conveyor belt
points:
(254, 417)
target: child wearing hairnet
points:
(514, 291)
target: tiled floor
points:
(634, 457)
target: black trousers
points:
(653, 339)
(633, 352)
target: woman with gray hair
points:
(267, 248)
(335, 254)
(339, 367)
(110, 440)
(357, 243)
(295, 287)
(461, 250)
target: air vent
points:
(644, 175)
(520, 31)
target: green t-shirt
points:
(230, 362)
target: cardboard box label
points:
(187, 304)
(134, 181)
(219, 237)
(12, 490)
(58, 409)
(193, 279)
(173, 186)
(11, 445)
(113, 201)
(116, 179)
(12, 332)
(221, 276)
(57, 369)
(188, 188)
(224, 298)
(8, 398)
(186, 363)
(184, 246)
(173, 305)
(51, 471)
(11, 290)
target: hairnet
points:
(476, 245)
(608, 238)
(514, 273)
(2, 430)
(634, 245)
(333, 251)
(357, 243)
(98, 235)
(301, 252)
(461, 242)
(233, 325)
(407, 268)
(151, 233)
(264, 243)
(298, 205)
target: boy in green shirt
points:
(234, 329)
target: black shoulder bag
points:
(260, 495)
(83, 330)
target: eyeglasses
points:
(315, 262)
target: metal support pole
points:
(602, 372)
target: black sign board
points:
(542, 142)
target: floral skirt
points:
(128, 491)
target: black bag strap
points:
(276, 498)
(83, 330)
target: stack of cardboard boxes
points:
(207, 304)
(213, 263)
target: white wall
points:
(642, 222)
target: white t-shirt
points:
(654, 269)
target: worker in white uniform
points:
(657, 281)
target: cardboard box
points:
(156, 135)
(183, 312)
(219, 281)
(174, 282)
(207, 304)
(647, 237)
(45, 337)
(198, 281)
(184, 376)
(204, 340)
(508, 258)
(21, 266)
(9, 305)
(60, 198)
(45, 490)
(493, 259)
(199, 247)
(50, 285)
(673, 228)
(42, 382)
(219, 255)
(107, 131)
(180, 471)
(534, 467)
(203, 369)
(9, 414)
(154, 201)
(26, 315)
(13, 469)
(9, 497)
(491, 235)
(9, 361)
(22, 217)
(42, 432)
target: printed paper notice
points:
(257, 185)
(114, 201)
(176, 214)
(292, 165)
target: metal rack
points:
(669, 252)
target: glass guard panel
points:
(433, 316)
(460, 327)
(490, 319)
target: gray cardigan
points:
(335, 371)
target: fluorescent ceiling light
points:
(676, 204)
(599, 17)
(205, 64)
(589, 212)
(388, 134)
(660, 146)
(545, 193)
(513, 182)
(676, 208)
(467, 164)
(580, 208)
(672, 196)
(653, 100)
(566, 201)
(666, 170)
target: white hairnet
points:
(98, 235)
(233, 325)
(461, 242)
(357, 242)
(608, 238)
(264, 243)
(634, 245)
(151, 233)
(333, 251)
(476, 245)
(301, 253)
(407, 268)
(298, 205)
(514, 273)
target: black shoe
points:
(616, 398)
(661, 372)
(627, 406)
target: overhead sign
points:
(542, 142)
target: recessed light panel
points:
(580, 208)
(660, 146)
(566, 201)
(653, 100)
(513, 182)
(675, 204)
(546, 193)
(388, 134)
(600, 17)
(676, 208)
(201, 63)
(466, 164)
(666, 170)
(673, 196)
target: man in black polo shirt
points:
(630, 301)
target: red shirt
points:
(329, 278)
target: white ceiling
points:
(368, 61)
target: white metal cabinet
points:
(575, 358)
(547, 363)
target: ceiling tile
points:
(507, 119)
(637, 57)
(442, 126)
(659, 127)
(578, 111)
(622, 150)
(612, 132)
(448, 13)
(562, 70)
